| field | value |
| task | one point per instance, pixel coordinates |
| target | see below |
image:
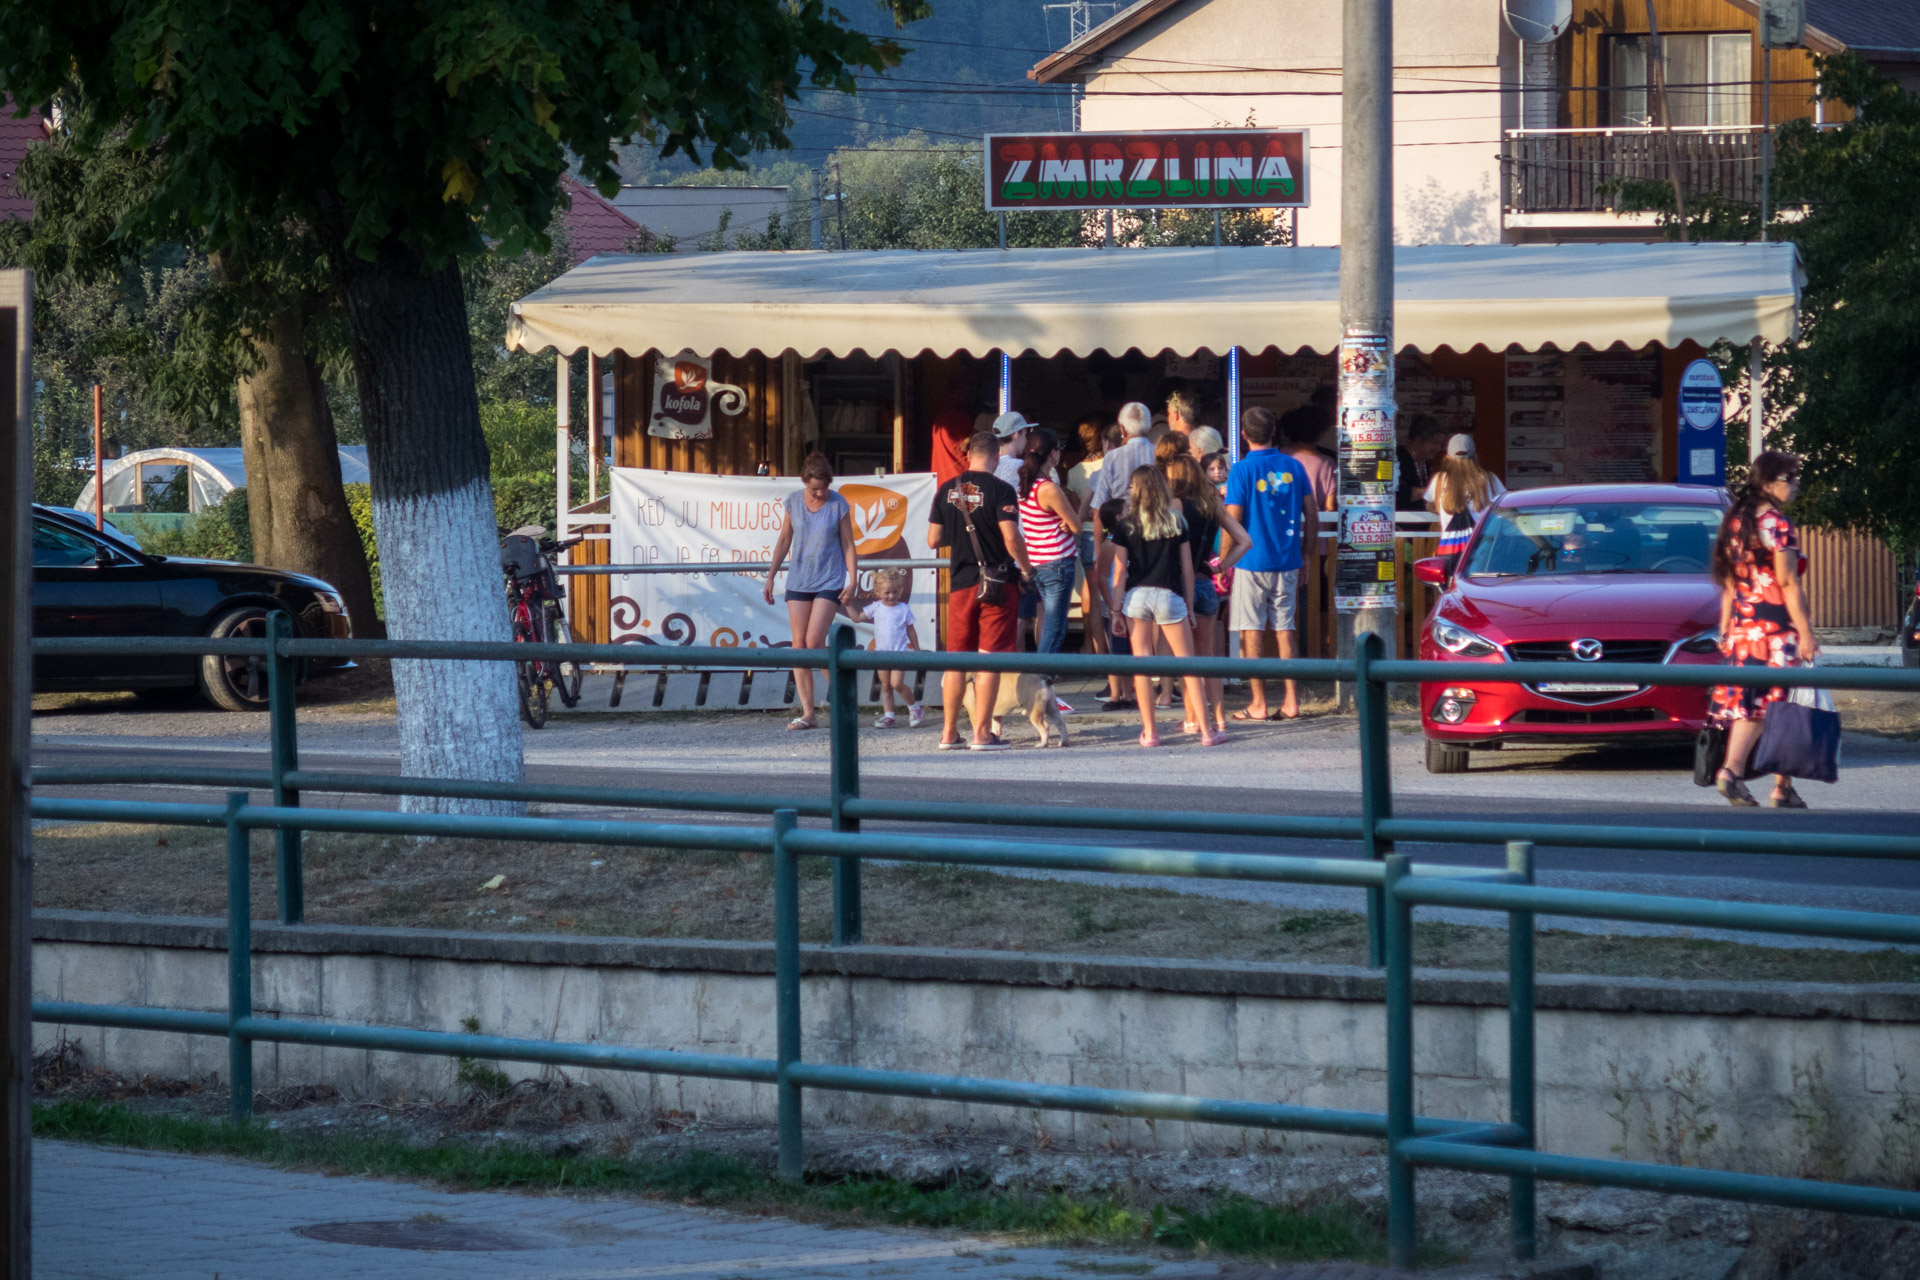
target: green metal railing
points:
(1394, 885)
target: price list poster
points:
(1582, 417)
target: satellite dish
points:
(1537, 21)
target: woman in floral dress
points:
(1763, 615)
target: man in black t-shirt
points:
(977, 507)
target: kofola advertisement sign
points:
(1202, 169)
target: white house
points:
(1494, 140)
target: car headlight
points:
(1459, 641)
(331, 602)
(1705, 642)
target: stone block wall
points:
(1730, 1074)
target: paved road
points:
(104, 1213)
(1856, 884)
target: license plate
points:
(1574, 686)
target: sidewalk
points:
(108, 1213)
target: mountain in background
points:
(937, 92)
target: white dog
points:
(1032, 694)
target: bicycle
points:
(534, 607)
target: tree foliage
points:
(916, 194)
(1846, 394)
(1851, 385)
(438, 125)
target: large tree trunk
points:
(432, 516)
(295, 503)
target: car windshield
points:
(1604, 537)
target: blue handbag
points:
(1801, 738)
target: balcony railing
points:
(1572, 170)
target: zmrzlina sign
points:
(1205, 169)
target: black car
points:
(86, 583)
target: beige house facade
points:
(1495, 140)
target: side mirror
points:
(1432, 570)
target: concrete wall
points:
(1219, 63)
(1742, 1075)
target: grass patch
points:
(657, 893)
(1231, 1226)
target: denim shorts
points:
(1156, 604)
(1086, 548)
(1206, 600)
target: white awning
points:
(1184, 300)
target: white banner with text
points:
(683, 518)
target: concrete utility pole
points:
(16, 701)
(1364, 566)
(813, 176)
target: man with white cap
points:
(1011, 429)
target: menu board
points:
(1582, 417)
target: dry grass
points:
(375, 880)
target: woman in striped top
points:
(1051, 531)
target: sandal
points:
(1246, 715)
(1734, 790)
(800, 722)
(1149, 742)
(1786, 798)
(1212, 739)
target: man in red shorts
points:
(976, 517)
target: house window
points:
(1709, 80)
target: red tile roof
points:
(16, 135)
(594, 225)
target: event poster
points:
(679, 517)
(1364, 568)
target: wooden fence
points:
(1852, 580)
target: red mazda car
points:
(1586, 575)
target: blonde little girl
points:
(892, 619)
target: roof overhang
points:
(1185, 300)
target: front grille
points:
(1632, 715)
(1613, 651)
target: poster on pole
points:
(1365, 571)
(682, 518)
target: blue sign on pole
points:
(1703, 426)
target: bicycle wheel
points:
(566, 675)
(530, 676)
(533, 694)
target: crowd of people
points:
(1170, 542)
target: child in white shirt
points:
(892, 619)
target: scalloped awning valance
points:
(1184, 300)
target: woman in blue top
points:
(818, 527)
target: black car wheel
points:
(236, 682)
(1442, 758)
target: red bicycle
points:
(534, 606)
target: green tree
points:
(1845, 395)
(912, 193)
(409, 137)
(1849, 390)
(196, 350)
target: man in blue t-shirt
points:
(1269, 493)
